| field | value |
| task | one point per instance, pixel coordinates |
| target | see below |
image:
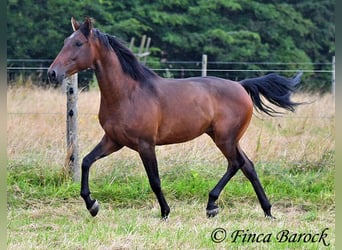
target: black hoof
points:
(268, 214)
(212, 212)
(94, 209)
(165, 214)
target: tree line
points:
(288, 31)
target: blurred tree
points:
(226, 30)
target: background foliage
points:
(226, 30)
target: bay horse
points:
(141, 110)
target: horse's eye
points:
(78, 44)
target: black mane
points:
(129, 63)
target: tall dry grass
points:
(37, 128)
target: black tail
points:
(275, 88)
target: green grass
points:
(30, 180)
(46, 212)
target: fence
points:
(71, 127)
(17, 69)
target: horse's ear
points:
(87, 26)
(75, 25)
(88, 22)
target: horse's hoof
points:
(94, 209)
(212, 212)
(164, 218)
(270, 217)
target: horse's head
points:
(77, 53)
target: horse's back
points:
(212, 92)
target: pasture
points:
(293, 155)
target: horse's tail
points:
(275, 88)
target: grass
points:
(68, 227)
(293, 155)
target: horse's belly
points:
(178, 132)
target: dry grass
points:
(36, 121)
(305, 135)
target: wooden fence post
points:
(333, 77)
(204, 64)
(146, 49)
(72, 161)
(142, 55)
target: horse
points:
(141, 110)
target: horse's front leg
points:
(148, 157)
(104, 148)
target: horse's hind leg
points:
(249, 171)
(212, 208)
(234, 163)
(237, 159)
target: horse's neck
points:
(113, 83)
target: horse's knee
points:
(86, 163)
(155, 185)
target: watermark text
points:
(219, 235)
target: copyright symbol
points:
(218, 235)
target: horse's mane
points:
(129, 63)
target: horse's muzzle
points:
(54, 77)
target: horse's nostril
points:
(52, 75)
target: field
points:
(293, 155)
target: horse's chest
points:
(120, 134)
(131, 124)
